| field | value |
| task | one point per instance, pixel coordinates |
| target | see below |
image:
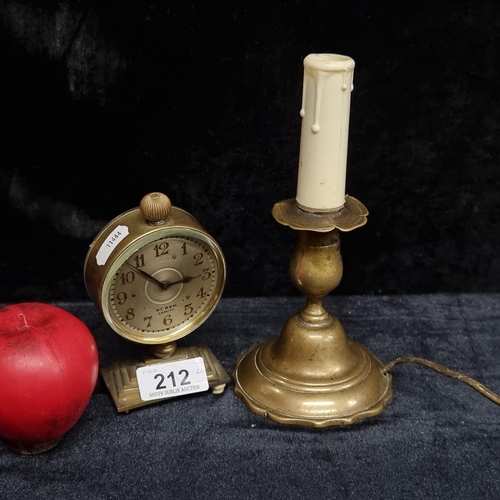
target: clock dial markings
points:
(154, 306)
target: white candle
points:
(326, 101)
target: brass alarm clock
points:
(156, 275)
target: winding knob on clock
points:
(155, 207)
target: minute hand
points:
(161, 284)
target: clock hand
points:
(161, 284)
(164, 285)
(185, 279)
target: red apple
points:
(48, 371)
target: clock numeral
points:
(139, 260)
(188, 309)
(167, 320)
(122, 298)
(161, 249)
(206, 274)
(199, 259)
(201, 293)
(127, 278)
(184, 249)
(130, 314)
(148, 319)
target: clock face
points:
(164, 289)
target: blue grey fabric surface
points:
(437, 438)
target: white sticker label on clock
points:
(171, 379)
(112, 239)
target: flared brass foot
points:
(334, 381)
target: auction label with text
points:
(171, 379)
(110, 243)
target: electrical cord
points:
(488, 393)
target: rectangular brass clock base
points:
(121, 380)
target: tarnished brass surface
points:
(351, 216)
(311, 374)
(121, 380)
(298, 378)
(155, 275)
(155, 223)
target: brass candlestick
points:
(312, 374)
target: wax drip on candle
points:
(317, 98)
(344, 84)
(302, 110)
(317, 102)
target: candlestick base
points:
(312, 374)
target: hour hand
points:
(185, 279)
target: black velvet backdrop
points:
(102, 102)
